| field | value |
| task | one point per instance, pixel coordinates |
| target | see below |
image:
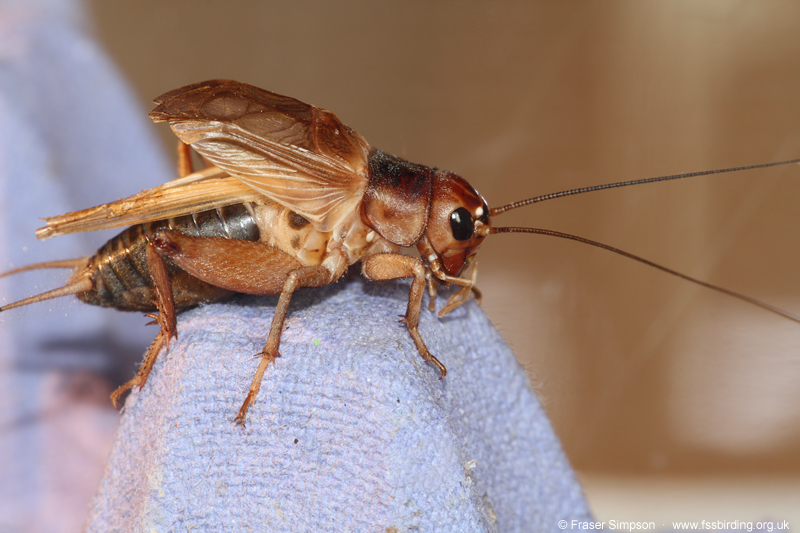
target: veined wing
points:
(299, 156)
(207, 189)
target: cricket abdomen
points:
(120, 274)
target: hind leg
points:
(165, 319)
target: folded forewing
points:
(293, 153)
(265, 147)
(200, 191)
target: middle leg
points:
(247, 267)
(308, 276)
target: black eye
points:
(461, 223)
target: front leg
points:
(393, 266)
(463, 293)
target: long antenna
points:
(497, 210)
(723, 290)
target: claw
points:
(442, 369)
(115, 396)
(240, 417)
(144, 371)
(243, 410)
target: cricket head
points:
(458, 221)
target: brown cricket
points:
(291, 198)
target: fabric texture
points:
(351, 431)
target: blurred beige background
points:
(642, 374)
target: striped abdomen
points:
(120, 274)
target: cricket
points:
(289, 197)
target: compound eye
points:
(461, 224)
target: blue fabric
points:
(351, 431)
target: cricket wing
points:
(207, 189)
(299, 156)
